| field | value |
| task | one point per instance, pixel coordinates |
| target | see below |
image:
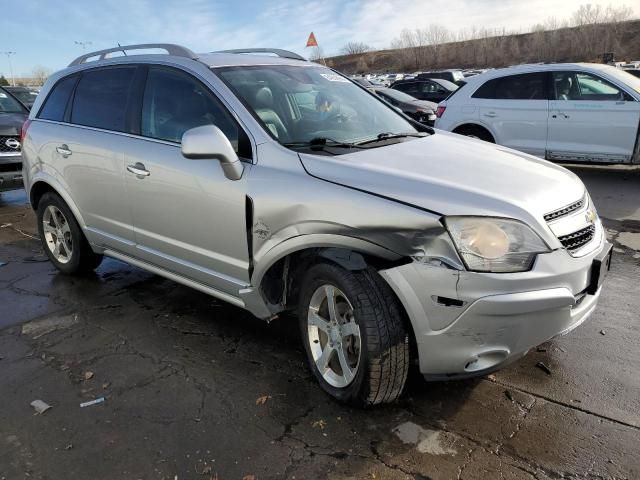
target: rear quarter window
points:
(527, 86)
(57, 100)
(101, 98)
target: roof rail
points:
(277, 51)
(170, 48)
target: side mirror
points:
(209, 143)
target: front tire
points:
(353, 333)
(62, 238)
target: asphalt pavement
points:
(197, 389)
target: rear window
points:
(56, 103)
(527, 86)
(101, 98)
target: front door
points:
(188, 217)
(590, 119)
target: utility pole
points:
(83, 45)
(8, 54)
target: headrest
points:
(264, 98)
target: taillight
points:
(23, 130)
(440, 111)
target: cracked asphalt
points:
(197, 389)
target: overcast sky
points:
(43, 32)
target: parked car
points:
(420, 110)
(12, 115)
(431, 90)
(26, 95)
(453, 76)
(279, 185)
(561, 112)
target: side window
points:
(584, 86)
(527, 86)
(101, 98)
(175, 102)
(56, 103)
(410, 88)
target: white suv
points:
(561, 112)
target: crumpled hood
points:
(453, 175)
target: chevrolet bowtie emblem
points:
(590, 216)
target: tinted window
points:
(56, 102)
(409, 88)
(528, 86)
(584, 86)
(101, 98)
(175, 102)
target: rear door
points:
(189, 218)
(516, 109)
(591, 119)
(83, 144)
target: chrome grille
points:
(575, 240)
(549, 217)
(4, 148)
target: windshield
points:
(8, 104)
(26, 96)
(625, 77)
(298, 104)
(447, 84)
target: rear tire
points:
(376, 356)
(475, 131)
(62, 238)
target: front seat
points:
(264, 109)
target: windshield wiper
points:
(390, 135)
(319, 143)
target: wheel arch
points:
(274, 272)
(475, 124)
(40, 186)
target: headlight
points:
(488, 244)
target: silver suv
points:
(279, 185)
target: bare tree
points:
(40, 74)
(355, 48)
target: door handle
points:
(563, 114)
(64, 150)
(139, 170)
(490, 114)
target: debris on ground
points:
(544, 368)
(249, 477)
(541, 349)
(319, 424)
(69, 446)
(38, 328)
(603, 332)
(509, 395)
(262, 400)
(2, 264)
(92, 402)
(88, 375)
(40, 407)
(491, 377)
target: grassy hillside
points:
(586, 43)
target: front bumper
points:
(469, 324)
(10, 172)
